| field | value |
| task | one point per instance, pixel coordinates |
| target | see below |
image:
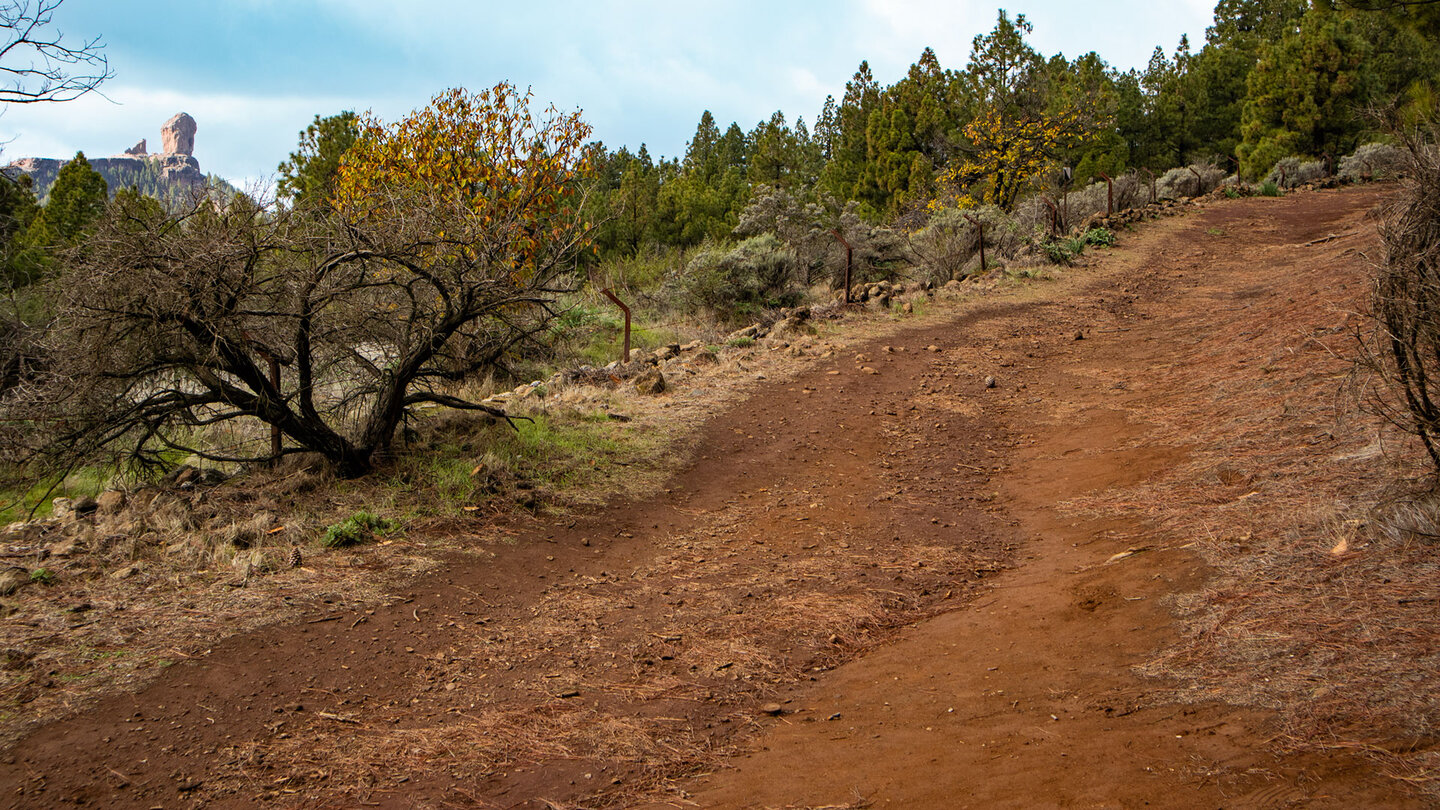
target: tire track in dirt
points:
(595, 661)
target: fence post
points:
(849, 256)
(1198, 182)
(1067, 176)
(1054, 215)
(979, 229)
(625, 358)
(274, 429)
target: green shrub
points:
(1064, 251)
(1270, 188)
(42, 576)
(360, 527)
(1378, 161)
(1099, 237)
(760, 272)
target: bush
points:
(760, 272)
(1063, 251)
(1295, 171)
(1099, 237)
(1270, 188)
(1182, 182)
(948, 246)
(1373, 161)
(360, 527)
(1403, 351)
(1078, 206)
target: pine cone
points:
(295, 558)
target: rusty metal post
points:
(849, 258)
(625, 358)
(1067, 177)
(1054, 215)
(1151, 175)
(1198, 182)
(980, 230)
(1109, 194)
(1329, 164)
(274, 429)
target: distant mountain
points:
(172, 176)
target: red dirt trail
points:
(880, 546)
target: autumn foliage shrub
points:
(449, 238)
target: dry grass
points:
(730, 636)
(1323, 604)
(96, 630)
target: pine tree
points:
(1303, 95)
(76, 200)
(20, 264)
(308, 177)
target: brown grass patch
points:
(1323, 604)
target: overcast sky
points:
(254, 73)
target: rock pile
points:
(102, 524)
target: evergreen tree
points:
(827, 127)
(1003, 70)
(1248, 23)
(702, 155)
(1214, 81)
(20, 263)
(1420, 16)
(309, 175)
(1303, 96)
(76, 200)
(1088, 85)
(774, 153)
(848, 146)
(634, 202)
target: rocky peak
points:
(178, 135)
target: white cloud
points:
(897, 31)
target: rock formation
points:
(172, 175)
(178, 135)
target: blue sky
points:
(253, 73)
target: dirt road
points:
(876, 583)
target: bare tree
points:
(169, 332)
(38, 63)
(328, 323)
(1402, 351)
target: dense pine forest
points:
(1273, 79)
